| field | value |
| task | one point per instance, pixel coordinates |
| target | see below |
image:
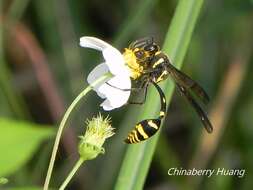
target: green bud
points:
(98, 130)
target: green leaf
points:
(18, 142)
(138, 157)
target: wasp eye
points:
(139, 54)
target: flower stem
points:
(63, 122)
(72, 173)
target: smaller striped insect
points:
(149, 65)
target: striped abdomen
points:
(148, 127)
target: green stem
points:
(63, 122)
(72, 173)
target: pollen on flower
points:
(130, 59)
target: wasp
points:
(149, 65)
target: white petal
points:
(97, 72)
(120, 82)
(113, 57)
(115, 61)
(94, 43)
(115, 95)
(106, 105)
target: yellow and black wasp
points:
(149, 65)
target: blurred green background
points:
(42, 69)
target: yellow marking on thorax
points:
(131, 61)
(158, 62)
(152, 124)
(141, 131)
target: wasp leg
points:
(143, 101)
(130, 89)
(143, 86)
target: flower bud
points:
(98, 130)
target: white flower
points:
(114, 63)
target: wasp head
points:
(139, 55)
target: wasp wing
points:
(185, 81)
(203, 117)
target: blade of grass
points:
(71, 51)
(17, 9)
(5, 85)
(51, 40)
(16, 102)
(138, 157)
(25, 38)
